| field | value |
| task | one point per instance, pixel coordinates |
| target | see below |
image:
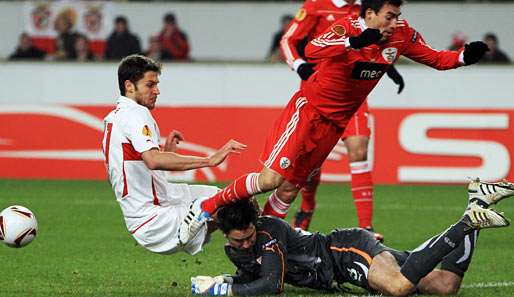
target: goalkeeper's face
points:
(242, 239)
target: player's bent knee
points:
(287, 192)
(385, 276)
(358, 155)
(269, 180)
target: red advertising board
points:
(408, 145)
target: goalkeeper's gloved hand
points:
(223, 289)
(305, 70)
(224, 278)
(215, 286)
(396, 77)
(367, 37)
(474, 51)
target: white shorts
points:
(160, 234)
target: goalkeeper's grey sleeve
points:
(271, 278)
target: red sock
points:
(362, 192)
(242, 188)
(309, 193)
(275, 207)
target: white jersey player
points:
(152, 207)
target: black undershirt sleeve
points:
(271, 278)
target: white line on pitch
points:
(488, 285)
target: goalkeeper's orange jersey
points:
(310, 21)
(346, 76)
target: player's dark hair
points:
(376, 5)
(133, 68)
(236, 216)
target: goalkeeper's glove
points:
(223, 289)
(396, 77)
(224, 278)
(474, 51)
(367, 37)
(215, 286)
(305, 70)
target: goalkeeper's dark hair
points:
(376, 5)
(236, 216)
(133, 68)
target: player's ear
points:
(129, 87)
(370, 13)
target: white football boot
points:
(193, 222)
(486, 193)
(477, 217)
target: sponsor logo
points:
(331, 18)
(368, 71)
(300, 16)
(449, 242)
(389, 54)
(414, 37)
(269, 243)
(354, 274)
(284, 163)
(339, 30)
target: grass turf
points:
(83, 248)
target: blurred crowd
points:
(171, 44)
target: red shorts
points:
(358, 125)
(300, 141)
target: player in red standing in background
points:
(353, 54)
(312, 19)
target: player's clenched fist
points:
(231, 147)
(474, 51)
(172, 141)
(367, 37)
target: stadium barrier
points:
(444, 127)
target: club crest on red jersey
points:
(284, 163)
(389, 54)
(339, 30)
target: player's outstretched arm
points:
(231, 147)
(165, 160)
(422, 53)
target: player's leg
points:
(356, 140)
(361, 182)
(356, 252)
(280, 150)
(283, 145)
(303, 216)
(312, 142)
(389, 278)
(424, 258)
(385, 276)
(280, 200)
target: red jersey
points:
(312, 19)
(346, 76)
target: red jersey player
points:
(312, 19)
(353, 54)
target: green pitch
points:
(83, 248)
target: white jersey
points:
(131, 130)
(152, 207)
